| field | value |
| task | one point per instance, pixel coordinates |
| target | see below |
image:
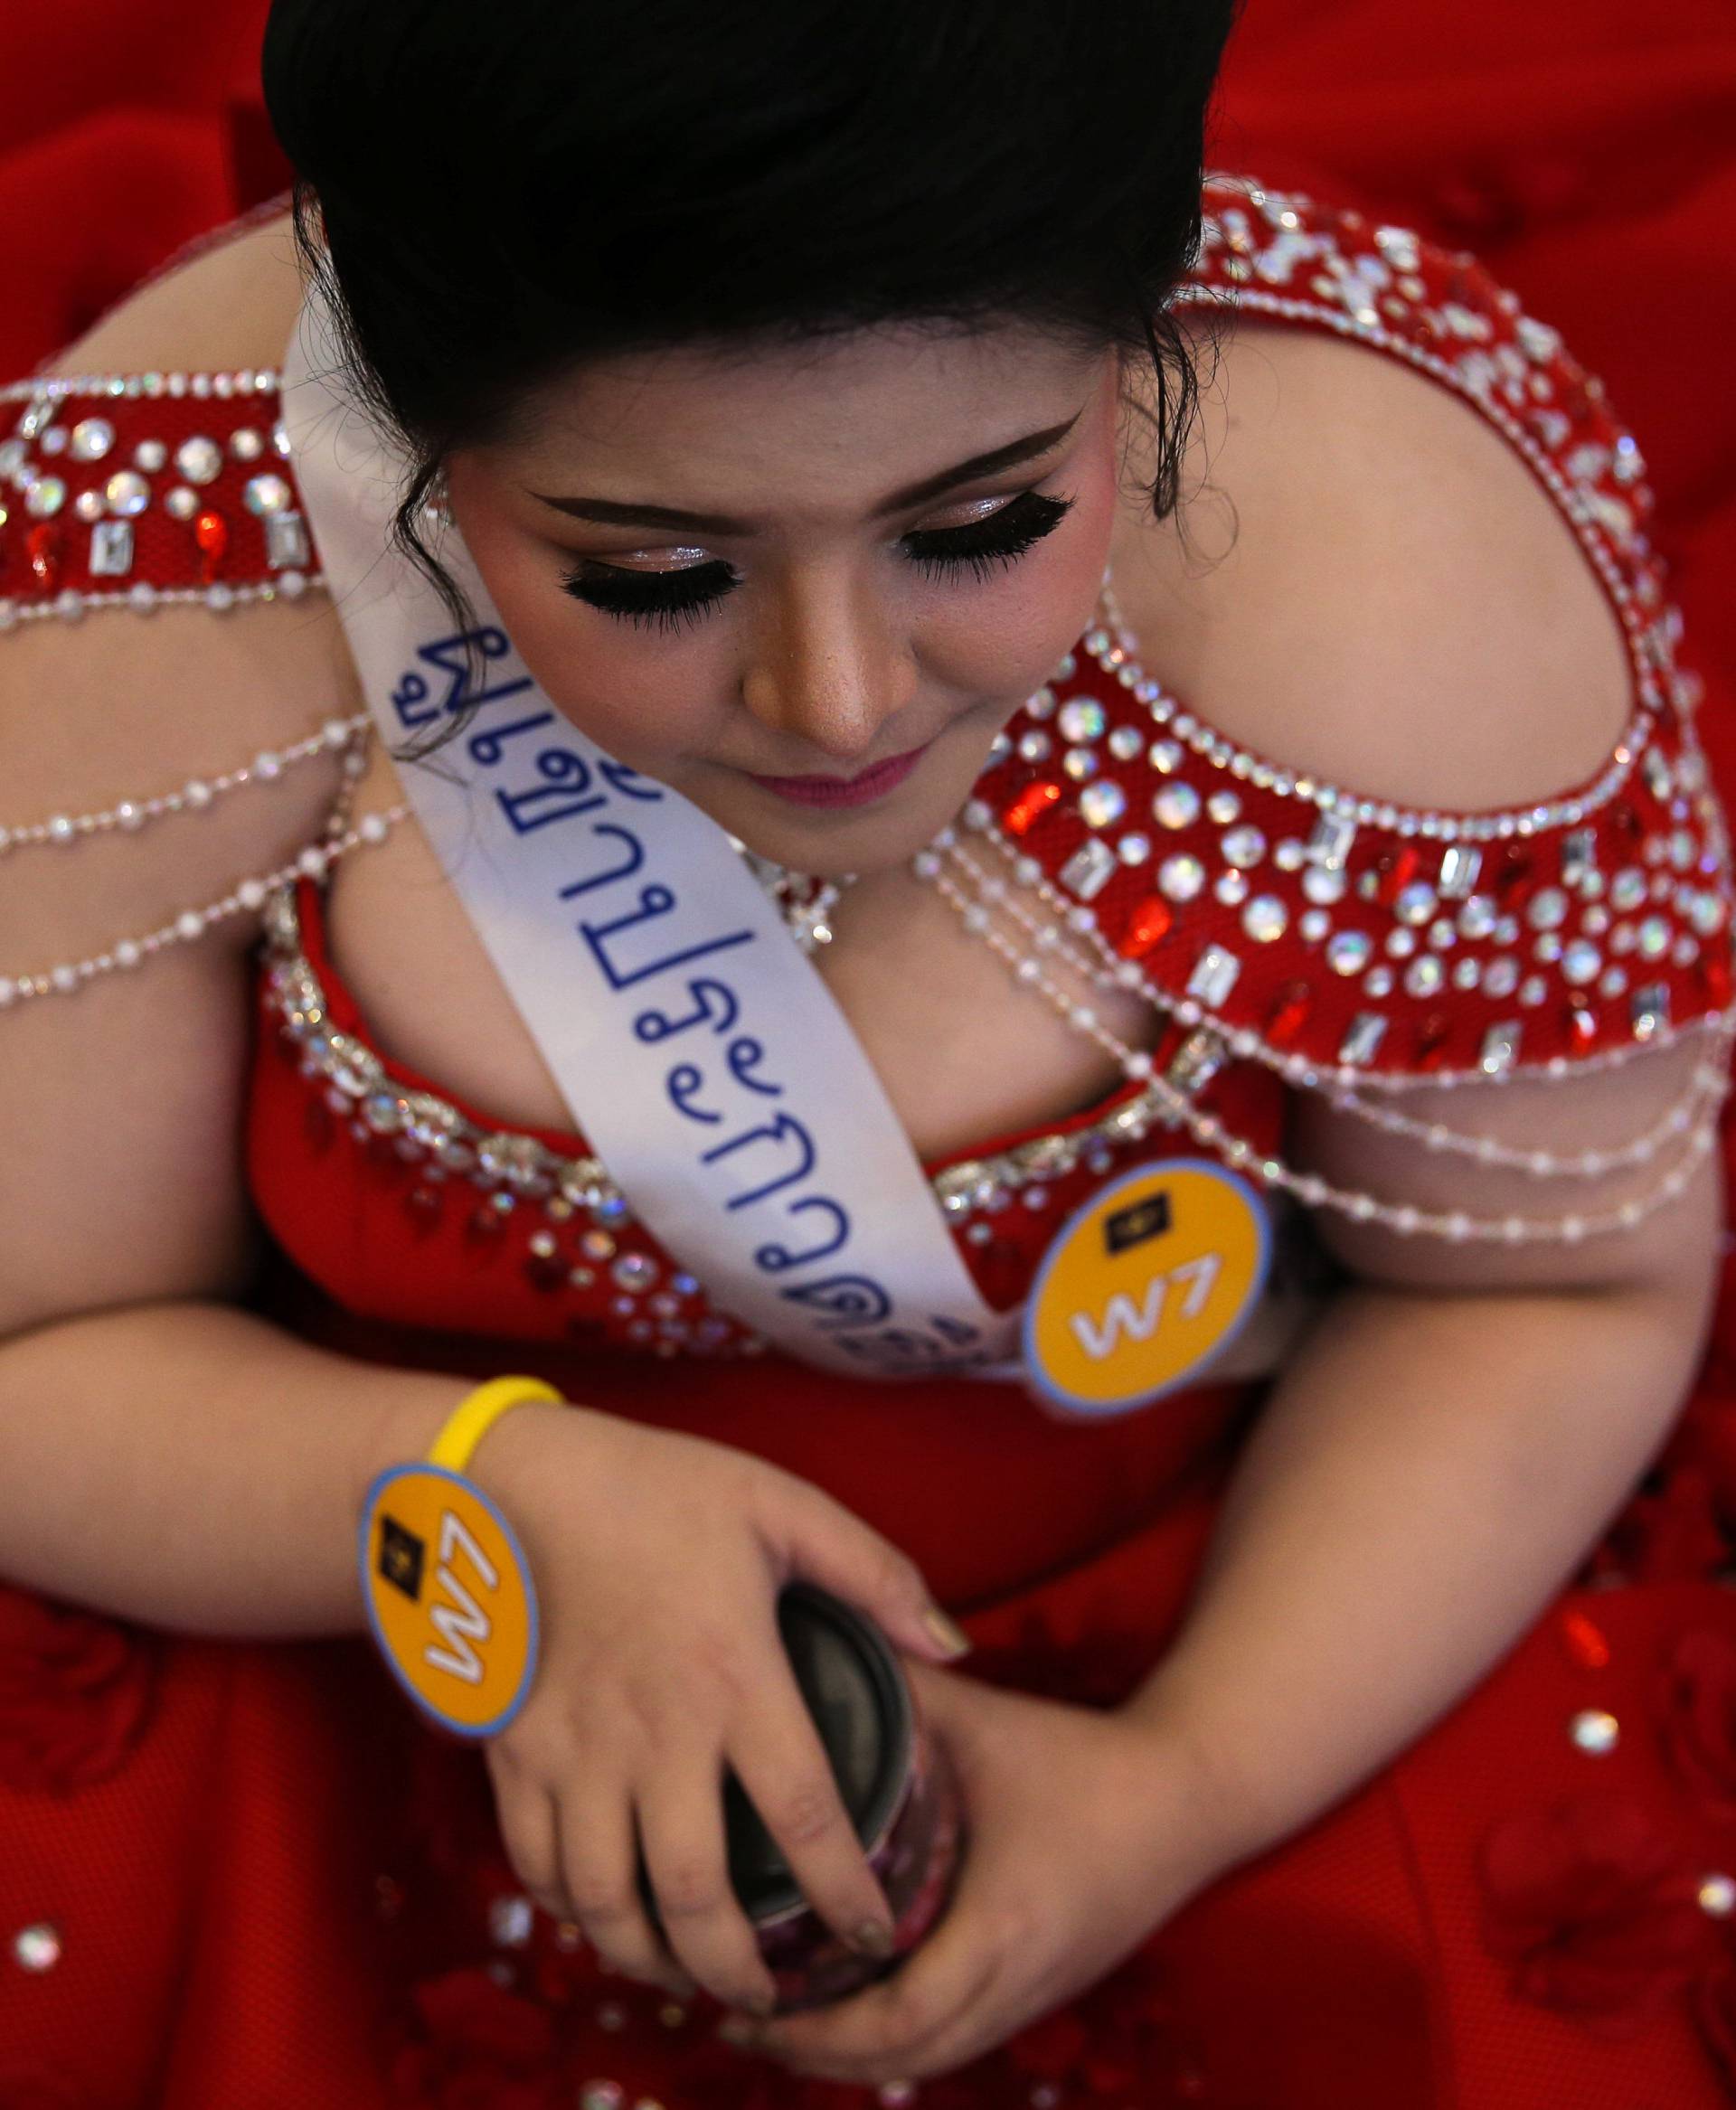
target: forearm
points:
(1427, 1472)
(195, 1467)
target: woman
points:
(831, 426)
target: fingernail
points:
(875, 1936)
(952, 1636)
(736, 2031)
(764, 2003)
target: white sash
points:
(695, 1046)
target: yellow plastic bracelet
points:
(447, 1589)
(477, 1412)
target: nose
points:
(830, 665)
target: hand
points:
(658, 1558)
(1085, 1832)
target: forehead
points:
(851, 413)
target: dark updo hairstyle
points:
(491, 191)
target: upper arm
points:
(120, 1104)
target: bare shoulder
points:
(1367, 581)
(229, 305)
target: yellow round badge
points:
(450, 1598)
(1143, 1284)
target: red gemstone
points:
(1513, 870)
(211, 531)
(1432, 1037)
(1030, 806)
(1581, 1027)
(1146, 927)
(424, 1207)
(1288, 1013)
(42, 544)
(1585, 1641)
(1714, 975)
(1394, 871)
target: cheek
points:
(640, 693)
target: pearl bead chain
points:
(1710, 1080)
(1458, 1226)
(60, 829)
(69, 975)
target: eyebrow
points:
(611, 514)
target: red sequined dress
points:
(245, 1875)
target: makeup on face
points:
(845, 791)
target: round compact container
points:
(893, 1777)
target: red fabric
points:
(248, 1853)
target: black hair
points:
(490, 191)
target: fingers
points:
(528, 1831)
(781, 1763)
(681, 1822)
(922, 2021)
(599, 1878)
(832, 1546)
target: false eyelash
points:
(669, 601)
(1000, 539)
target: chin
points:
(836, 841)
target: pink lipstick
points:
(872, 784)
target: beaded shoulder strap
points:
(1344, 941)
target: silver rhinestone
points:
(1478, 917)
(1080, 718)
(1500, 1048)
(1089, 870)
(263, 495)
(111, 549)
(1581, 961)
(1125, 742)
(510, 1921)
(1243, 847)
(1181, 878)
(1459, 866)
(88, 505)
(37, 1948)
(1102, 803)
(1653, 938)
(200, 460)
(150, 455)
(1595, 1732)
(1176, 805)
(1330, 843)
(1265, 919)
(1313, 925)
(1547, 910)
(1648, 1009)
(1347, 953)
(181, 504)
(1214, 975)
(1627, 889)
(1579, 855)
(126, 492)
(1415, 904)
(246, 445)
(1034, 745)
(1164, 756)
(1424, 976)
(1134, 849)
(1367, 1029)
(1223, 807)
(602, 2095)
(286, 547)
(92, 439)
(1079, 763)
(1717, 1895)
(1324, 884)
(44, 497)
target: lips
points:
(835, 791)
